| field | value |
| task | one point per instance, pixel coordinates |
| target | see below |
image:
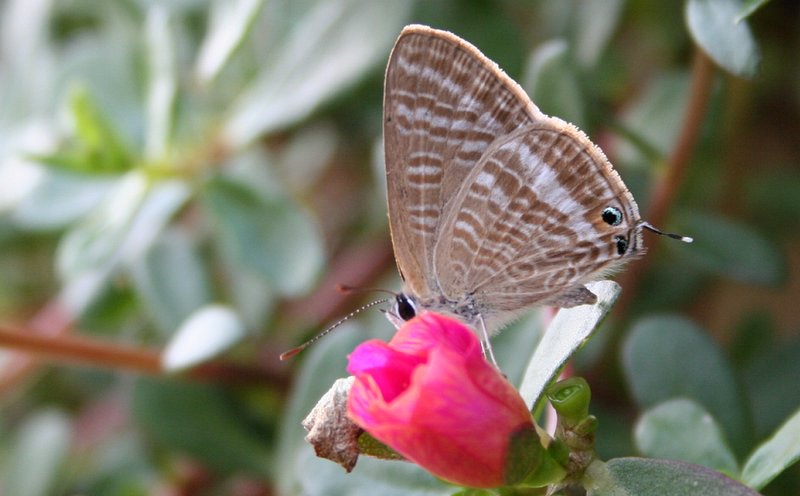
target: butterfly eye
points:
(622, 244)
(612, 216)
(405, 309)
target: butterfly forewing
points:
(444, 104)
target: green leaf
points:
(774, 455)
(39, 451)
(26, 70)
(567, 332)
(162, 83)
(60, 199)
(749, 7)
(654, 119)
(729, 248)
(120, 230)
(171, 279)
(551, 83)
(683, 430)
(513, 346)
(204, 422)
(772, 200)
(648, 477)
(252, 296)
(98, 148)
(207, 333)
(307, 155)
(229, 24)
(666, 357)
(769, 379)
(333, 45)
(717, 28)
(595, 22)
(275, 239)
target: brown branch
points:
(72, 349)
(666, 188)
(80, 350)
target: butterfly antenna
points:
(650, 227)
(344, 288)
(294, 351)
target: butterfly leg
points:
(486, 345)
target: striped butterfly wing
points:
(444, 104)
(542, 213)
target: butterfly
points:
(494, 207)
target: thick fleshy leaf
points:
(306, 156)
(120, 230)
(717, 26)
(774, 455)
(513, 347)
(773, 201)
(681, 429)
(328, 49)
(649, 477)
(162, 84)
(730, 249)
(275, 239)
(171, 280)
(568, 331)
(97, 147)
(108, 63)
(204, 422)
(229, 23)
(769, 379)
(666, 357)
(94, 242)
(59, 199)
(550, 81)
(749, 7)
(39, 450)
(207, 332)
(595, 22)
(654, 120)
(26, 28)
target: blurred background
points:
(183, 185)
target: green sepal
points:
(529, 463)
(570, 398)
(368, 445)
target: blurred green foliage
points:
(160, 159)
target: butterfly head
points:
(404, 309)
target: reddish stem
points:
(666, 188)
(72, 349)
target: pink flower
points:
(430, 395)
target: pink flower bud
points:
(430, 395)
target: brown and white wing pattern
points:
(444, 104)
(541, 214)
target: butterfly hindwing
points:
(527, 227)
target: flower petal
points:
(431, 395)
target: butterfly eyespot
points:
(622, 244)
(612, 216)
(405, 309)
